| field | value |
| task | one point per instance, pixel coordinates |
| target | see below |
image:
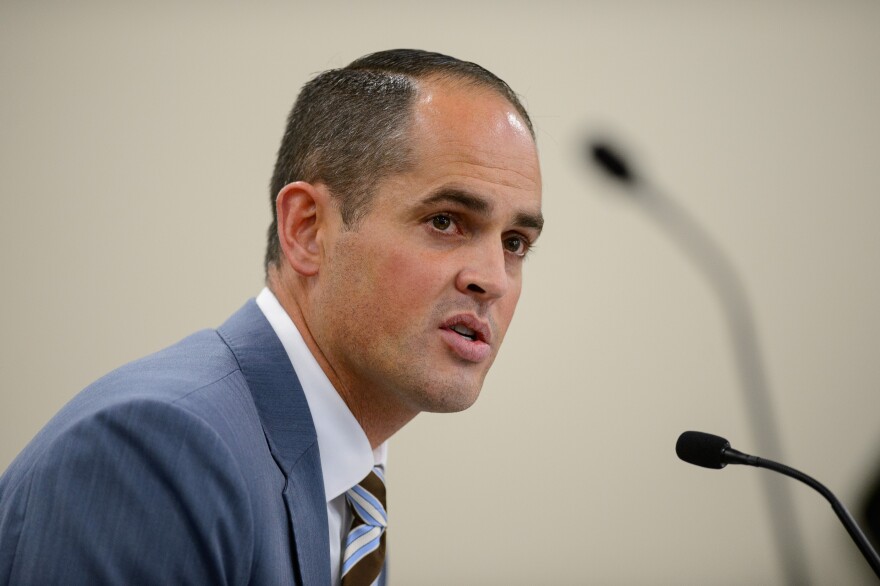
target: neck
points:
(378, 414)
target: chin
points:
(450, 400)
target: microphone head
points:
(612, 162)
(702, 449)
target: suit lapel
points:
(290, 433)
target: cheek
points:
(409, 280)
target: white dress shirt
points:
(346, 456)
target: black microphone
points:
(612, 162)
(711, 451)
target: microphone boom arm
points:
(731, 456)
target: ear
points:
(304, 213)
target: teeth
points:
(464, 331)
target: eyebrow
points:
(481, 206)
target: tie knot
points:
(367, 499)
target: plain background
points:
(136, 145)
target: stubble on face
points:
(385, 327)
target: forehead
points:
(464, 132)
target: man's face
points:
(414, 302)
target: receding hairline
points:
(424, 85)
(454, 77)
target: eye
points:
(516, 245)
(441, 222)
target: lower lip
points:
(470, 350)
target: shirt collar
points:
(346, 456)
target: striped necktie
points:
(365, 545)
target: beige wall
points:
(135, 149)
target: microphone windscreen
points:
(612, 162)
(702, 449)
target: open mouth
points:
(464, 332)
(468, 337)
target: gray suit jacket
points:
(196, 465)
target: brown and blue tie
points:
(365, 545)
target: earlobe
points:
(302, 209)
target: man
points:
(405, 197)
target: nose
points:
(484, 274)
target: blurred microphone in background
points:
(714, 264)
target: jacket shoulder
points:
(136, 491)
